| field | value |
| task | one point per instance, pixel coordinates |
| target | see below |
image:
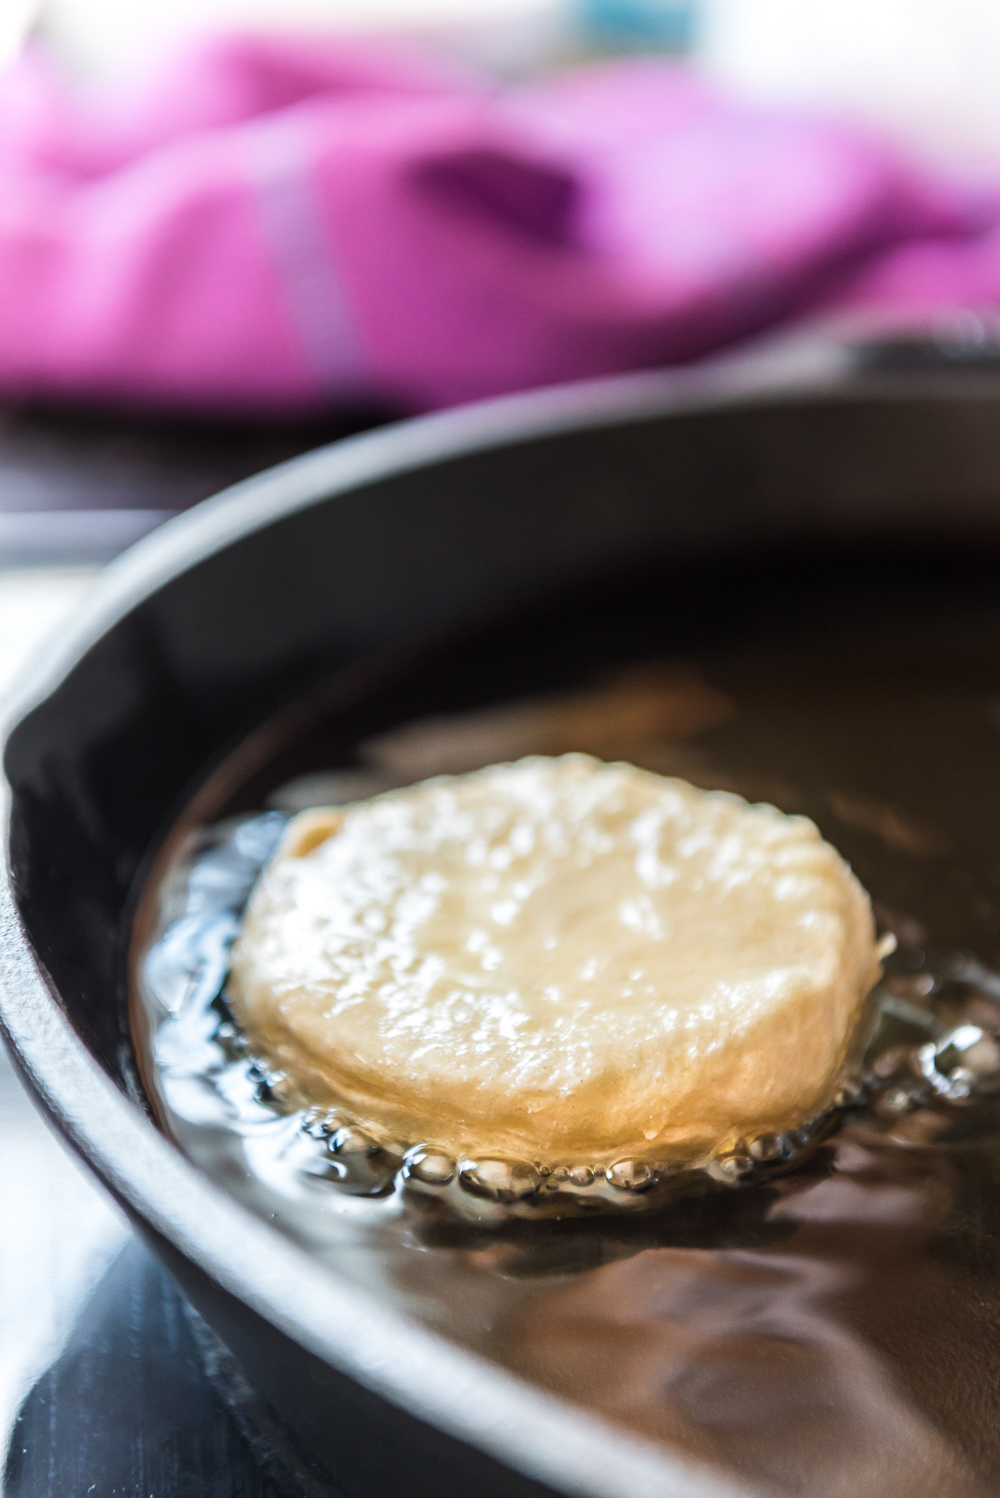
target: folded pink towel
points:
(278, 225)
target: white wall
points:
(927, 68)
(95, 34)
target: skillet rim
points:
(538, 1434)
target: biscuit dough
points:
(560, 959)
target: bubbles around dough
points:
(558, 958)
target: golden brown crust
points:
(558, 958)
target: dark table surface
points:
(140, 1403)
(144, 1403)
(78, 485)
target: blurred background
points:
(233, 229)
(923, 67)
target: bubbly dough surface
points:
(560, 958)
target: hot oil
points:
(831, 1328)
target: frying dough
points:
(560, 959)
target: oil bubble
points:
(500, 1180)
(430, 1167)
(769, 1147)
(368, 1168)
(630, 1175)
(731, 1169)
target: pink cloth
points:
(280, 225)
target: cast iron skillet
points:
(328, 560)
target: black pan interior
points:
(850, 538)
(864, 684)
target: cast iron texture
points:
(323, 564)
